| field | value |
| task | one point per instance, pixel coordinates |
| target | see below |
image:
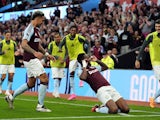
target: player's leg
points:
(122, 105)
(57, 75)
(11, 71)
(118, 99)
(56, 87)
(156, 70)
(42, 93)
(3, 76)
(108, 105)
(72, 67)
(31, 83)
(36, 69)
(9, 85)
(10, 98)
(3, 72)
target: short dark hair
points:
(37, 14)
(157, 21)
(80, 58)
(74, 26)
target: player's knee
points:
(125, 110)
(3, 76)
(45, 83)
(10, 79)
(31, 82)
(113, 110)
(30, 85)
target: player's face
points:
(8, 36)
(57, 38)
(40, 20)
(73, 31)
(86, 58)
(157, 27)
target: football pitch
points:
(63, 109)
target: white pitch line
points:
(88, 117)
(73, 104)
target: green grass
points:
(63, 109)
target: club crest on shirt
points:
(92, 71)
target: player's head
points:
(38, 17)
(83, 59)
(157, 25)
(73, 30)
(57, 37)
(7, 35)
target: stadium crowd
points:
(108, 29)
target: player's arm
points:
(46, 54)
(66, 53)
(1, 52)
(26, 38)
(103, 65)
(41, 49)
(86, 42)
(15, 46)
(145, 43)
(50, 49)
(63, 42)
(26, 47)
(83, 73)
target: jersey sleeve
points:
(29, 31)
(50, 48)
(81, 38)
(99, 68)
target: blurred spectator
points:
(107, 59)
(146, 25)
(97, 49)
(102, 6)
(137, 40)
(113, 55)
(57, 12)
(112, 39)
(124, 41)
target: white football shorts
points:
(34, 68)
(73, 65)
(106, 93)
(156, 70)
(4, 69)
(58, 72)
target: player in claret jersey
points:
(112, 101)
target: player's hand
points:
(39, 55)
(60, 50)
(137, 64)
(93, 58)
(50, 57)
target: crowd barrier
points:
(136, 85)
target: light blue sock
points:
(102, 110)
(9, 86)
(72, 85)
(42, 94)
(20, 90)
(56, 85)
(157, 94)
